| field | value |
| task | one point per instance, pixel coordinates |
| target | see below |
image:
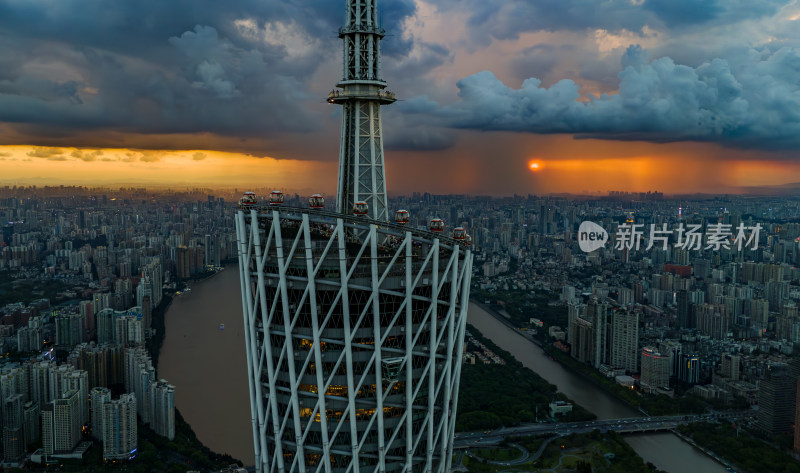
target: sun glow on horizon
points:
(565, 167)
(37, 165)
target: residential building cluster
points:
(720, 321)
(81, 273)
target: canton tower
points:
(361, 171)
(354, 325)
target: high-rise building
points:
(119, 428)
(354, 326)
(689, 371)
(162, 400)
(147, 313)
(38, 374)
(731, 366)
(714, 320)
(61, 428)
(105, 325)
(31, 423)
(582, 339)
(152, 270)
(655, 368)
(12, 382)
(797, 416)
(776, 400)
(625, 340)
(100, 396)
(128, 330)
(683, 309)
(598, 312)
(102, 363)
(79, 381)
(139, 375)
(30, 338)
(48, 429)
(183, 268)
(69, 329)
(87, 317)
(13, 437)
(144, 290)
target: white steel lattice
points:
(354, 332)
(361, 168)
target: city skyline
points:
(699, 96)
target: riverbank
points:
(553, 355)
(156, 340)
(186, 443)
(506, 394)
(666, 451)
(207, 364)
(708, 452)
(646, 406)
(505, 321)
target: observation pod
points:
(459, 233)
(436, 225)
(276, 198)
(467, 240)
(361, 209)
(248, 200)
(392, 368)
(401, 217)
(316, 201)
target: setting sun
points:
(534, 166)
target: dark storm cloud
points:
(418, 138)
(538, 60)
(170, 67)
(133, 25)
(752, 101)
(503, 19)
(682, 13)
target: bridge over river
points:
(630, 425)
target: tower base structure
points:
(354, 330)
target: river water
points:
(207, 366)
(665, 450)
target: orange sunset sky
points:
(686, 97)
(564, 165)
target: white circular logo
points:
(591, 236)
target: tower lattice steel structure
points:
(361, 170)
(354, 326)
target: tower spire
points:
(361, 93)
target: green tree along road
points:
(521, 306)
(494, 395)
(594, 452)
(740, 448)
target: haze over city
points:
(681, 97)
